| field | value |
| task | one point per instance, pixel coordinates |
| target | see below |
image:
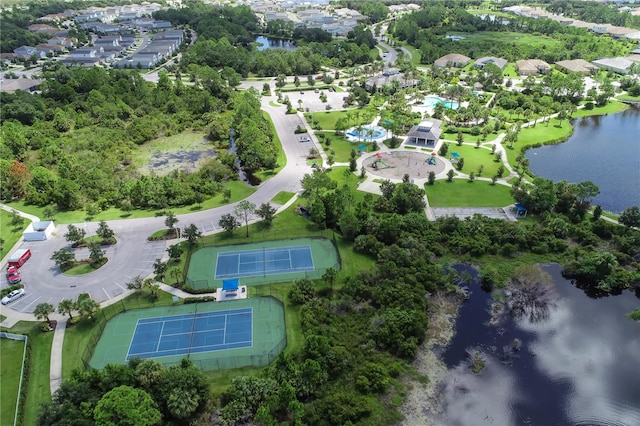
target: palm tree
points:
(66, 306)
(43, 310)
(182, 403)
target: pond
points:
(602, 149)
(274, 43)
(578, 366)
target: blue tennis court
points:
(268, 261)
(192, 333)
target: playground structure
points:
(396, 164)
(378, 162)
(432, 160)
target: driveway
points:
(133, 254)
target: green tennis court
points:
(214, 335)
(261, 263)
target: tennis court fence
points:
(108, 312)
(273, 337)
(22, 394)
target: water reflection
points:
(579, 366)
(602, 149)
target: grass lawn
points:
(609, 108)
(539, 134)
(462, 193)
(628, 97)
(282, 158)
(77, 338)
(474, 157)
(9, 234)
(282, 197)
(512, 38)
(468, 137)
(81, 269)
(38, 390)
(327, 119)
(510, 70)
(11, 352)
(238, 189)
(343, 147)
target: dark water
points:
(274, 43)
(602, 149)
(581, 366)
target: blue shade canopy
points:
(230, 284)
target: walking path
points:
(288, 179)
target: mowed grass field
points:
(11, 352)
(493, 37)
(474, 158)
(9, 234)
(462, 193)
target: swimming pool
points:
(432, 101)
(367, 133)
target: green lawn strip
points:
(374, 54)
(628, 98)
(81, 269)
(352, 180)
(238, 189)
(161, 233)
(77, 338)
(38, 386)
(510, 70)
(282, 197)
(540, 134)
(282, 158)
(9, 234)
(474, 157)
(462, 193)
(275, 104)
(11, 352)
(2, 318)
(512, 38)
(609, 108)
(467, 137)
(327, 119)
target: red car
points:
(14, 279)
(11, 270)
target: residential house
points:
(481, 62)
(426, 133)
(86, 52)
(25, 84)
(26, 52)
(41, 28)
(532, 66)
(617, 65)
(66, 42)
(452, 60)
(576, 65)
(51, 48)
(161, 25)
(80, 61)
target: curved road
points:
(134, 255)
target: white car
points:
(14, 295)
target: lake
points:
(274, 43)
(602, 149)
(579, 366)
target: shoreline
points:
(423, 405)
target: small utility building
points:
(38, 231)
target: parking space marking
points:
(27, 307)
(119, 285)
(105, 292)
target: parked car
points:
(14, 279)
(317, 91)
(14, 295)
(11, 270)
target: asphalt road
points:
(133, 255)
